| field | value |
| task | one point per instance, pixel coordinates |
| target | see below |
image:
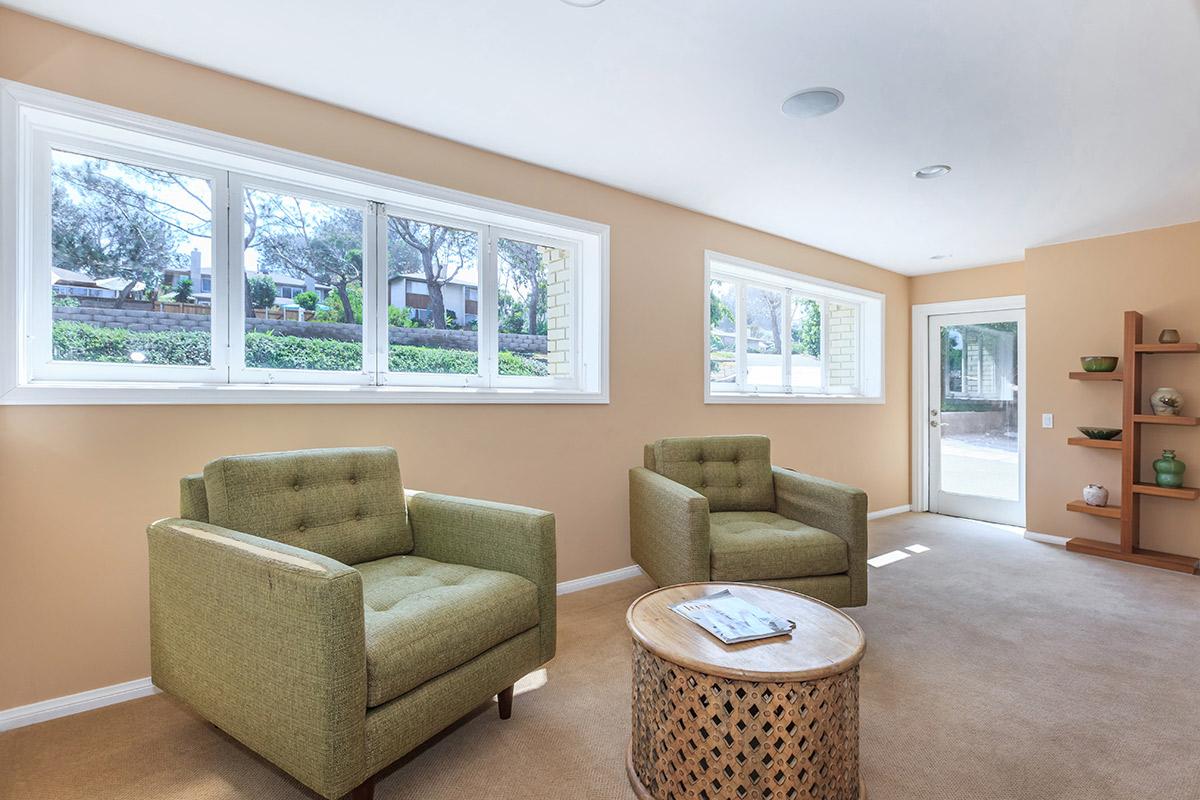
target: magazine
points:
(732, 619)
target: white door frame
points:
(920, 382)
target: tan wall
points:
(999, 280)
(79, 484)
(1076, 295)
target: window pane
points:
(722, 333)
(433, 298)
(764, 337)
(806, 343)
(533, 298)
(304, 283)
(844, 353)
(132, 249)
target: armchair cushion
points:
(425, 617)
(344, 503)
(733, 472)
(762, 545)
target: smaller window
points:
(777, 336)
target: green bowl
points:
(1100, 433)
(1098, 363)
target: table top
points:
(825, 641)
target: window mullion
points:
(488, 318)
(826, 356)
(740, 317)
(375, 333)
(233, 277)
(786, 340)
(219, 253)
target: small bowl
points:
(1100, 433)
(1099, 363)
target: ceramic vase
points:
(1166, 402)
(1168, 470)
(1095, 495)
(1169, 336)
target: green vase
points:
(1168, 470)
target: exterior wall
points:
(78, 484)
(843, 345)
(558, 316)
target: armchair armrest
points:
(668, 528)
(479, 533)
(830, 506)
(266, 641)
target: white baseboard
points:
(1047, 538)
(75, 703)
(888, 512)
(588, 581)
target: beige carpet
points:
(995, 668)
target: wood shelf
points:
(1103, 444)
(1156, 419)
(1109, 512)
(1154, 490)
(1129, 513)
(1180, 347)
(1138, 555)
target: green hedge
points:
(77, 341)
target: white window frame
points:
(743, 273)
(30, 118)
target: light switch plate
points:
(1047, 420)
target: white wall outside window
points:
(34, 122)
(764, 304)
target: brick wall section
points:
(138, 320)
(558, 316)
(843, 345)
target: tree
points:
(529, 281)
(295, 237)
(718, 310)
(261, 290)
(183, 291)
(95, 234)
(769, 304)
(440, 253)
(806, 337)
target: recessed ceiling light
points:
(932, 171)
(813, 102)
(583, 3)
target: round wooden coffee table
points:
(776, 718)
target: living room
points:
(619, 299)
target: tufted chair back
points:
(733, 472)
(344, 503)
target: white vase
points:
(1166, 402)
(1095, 495)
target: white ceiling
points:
(1063, 119)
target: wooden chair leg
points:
(365, 790)
(505, 701)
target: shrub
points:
(64, 301)
(307, 300)
(183, 291)
(401, 318)
(76, 341)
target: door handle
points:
(933, 423)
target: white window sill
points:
(726, 398)
(97, 393)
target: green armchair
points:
(715, 509)
(308, 607)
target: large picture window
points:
(776, 336)
(157, 263)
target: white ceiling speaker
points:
(583, 3)
(932, 171)
(813, 102)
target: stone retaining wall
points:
(138, 320)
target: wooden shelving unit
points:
(1132, 490)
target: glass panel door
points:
(976, 421)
